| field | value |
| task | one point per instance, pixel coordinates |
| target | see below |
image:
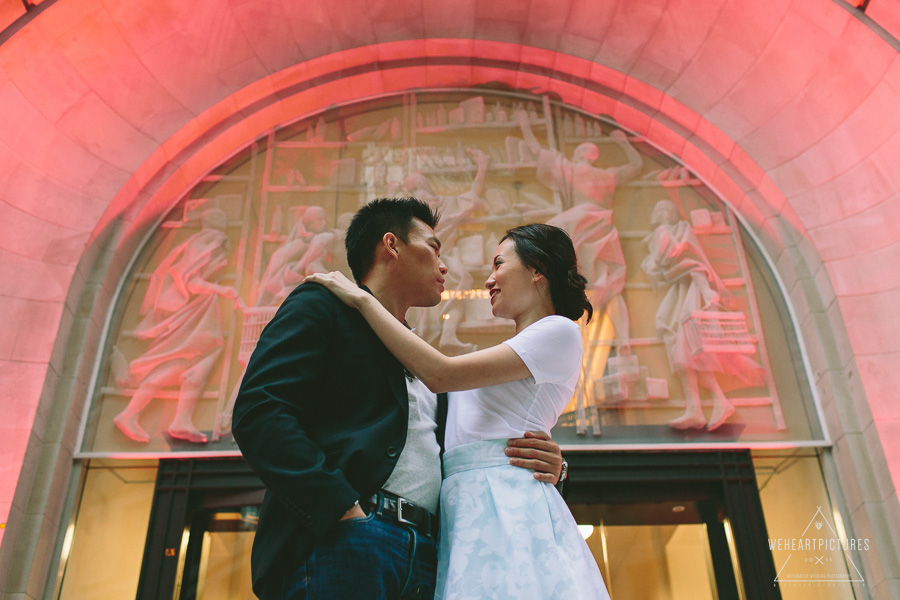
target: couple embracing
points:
(389, 467)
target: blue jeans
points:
(360, 559)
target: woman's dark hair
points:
(377, 218)
(549, 251)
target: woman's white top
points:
(551, 349)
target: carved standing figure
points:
(183, 321)
(684, 279)
(588, 192)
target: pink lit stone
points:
(845, 81)
(856, 137)
(13, 441)
(589, 21)
(887, 14)
(19, 380)
(886, 161)
(680, 113)
(449, 20)
(546, 24)
(568, 93)
(510, 10)
(180, 68)
(539, 58)
(857, 235)
(680, 33)
(873, 321)
(726, 186)
(60, 204)
(749, 168)
(598, 104)
(714, 138)
(45, 282)
(852, 192)
(52, 70)
(269, 28)
(889, 436)
(111, 68)
(582, 47)
(665, 137)
(632, 118)
(751, 25)
(39, 326)
(389, 30)
(10, 10)
(644, 93)
(879, 372)
(852, 276)
(82, 122)
(503, 30)
(719, 64)
(629, 32)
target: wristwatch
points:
(564, 472)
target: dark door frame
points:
(185, 491)
(715, 485)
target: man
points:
(347, 445)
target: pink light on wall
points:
(368, 71)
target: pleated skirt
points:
(505, 535)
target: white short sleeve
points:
(550, 348)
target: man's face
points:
(420, 271)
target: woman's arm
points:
(491, 366)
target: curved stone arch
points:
(711, 151)
(200, 146)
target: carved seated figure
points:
(283, 274)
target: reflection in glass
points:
(224, 572)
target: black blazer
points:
(321, 416)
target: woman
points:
(503, 533)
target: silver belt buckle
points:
(400, 519)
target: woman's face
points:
(511, 284)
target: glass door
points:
(674, 525)
(660, 550)
(668, 562)
(217, 559)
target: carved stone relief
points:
(676, 333)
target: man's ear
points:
(390, 242)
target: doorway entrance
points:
(681, 525)
(674, 526)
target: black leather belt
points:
(400, 510)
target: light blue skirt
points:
(505, 535)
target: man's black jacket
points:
(321, 416)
